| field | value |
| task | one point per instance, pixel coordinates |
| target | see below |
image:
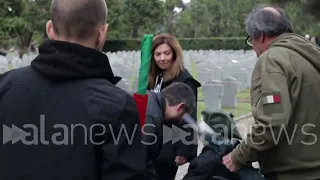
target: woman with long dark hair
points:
(167, 67)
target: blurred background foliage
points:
(194, 22)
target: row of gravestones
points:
(217, 57)
(220, 75)
(217, 94)
(13, 61)
(134, 56)
(220, 85)
(126, 68)
(204, 75)
(242, 76)
(126, 63)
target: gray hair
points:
(267, 22)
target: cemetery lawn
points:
(244, 95)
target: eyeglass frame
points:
(247, 41)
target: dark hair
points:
(179, 92)
(78, 18)
(267, 22)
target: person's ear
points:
(50, 31)
(102, 36)
(180, 108)
(104, 31)
(262, 38)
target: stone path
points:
(244, 121)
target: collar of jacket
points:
(64, 61)
(282, 37)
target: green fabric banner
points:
(146, 48)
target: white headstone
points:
(213, 93)
(204, 76)
(229, 99)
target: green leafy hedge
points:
(216, 43)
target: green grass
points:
(12, 53)
(244, 95)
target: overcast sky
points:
(179, 9)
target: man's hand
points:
(227, 161)
(180, 160)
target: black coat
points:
(208, 165)
(69, 86)
(221, 141)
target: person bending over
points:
(164, 111)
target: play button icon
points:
(13, 134)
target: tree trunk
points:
(24, 42)
(135, 30)
(217, 29)
(197, 28)
(170, 24)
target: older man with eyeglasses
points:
(285, 96)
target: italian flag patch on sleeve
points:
(271, 99)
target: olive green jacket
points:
(285, 96)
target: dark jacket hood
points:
(64, 61)
(297, 43)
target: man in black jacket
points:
(163, 119)
(66, 118)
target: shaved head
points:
(78, 19)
